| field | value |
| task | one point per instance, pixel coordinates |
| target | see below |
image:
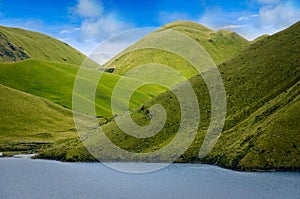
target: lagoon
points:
(26, 178)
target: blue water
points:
(26, 178)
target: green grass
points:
(262, 124)
(265, 140)
(40, 46)
(28, 122)
(54, 81)
(259, 38)
(221, 45)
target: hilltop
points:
(18, 44)
(221, 45)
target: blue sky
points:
(85, 23)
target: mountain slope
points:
(9, 52)
(220, 45)
(25, 44)
(54, 81)
(262, 84)
(27, 122)
(262, 124)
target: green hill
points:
(29, 122)
(262, 124)
(259, 38)
(21, 44)
(221, 45)
(54, 81)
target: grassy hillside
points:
(9, 52)
(259, 38)
(28, 122)
(54, 81)
(267, 139)
(38, 46)
(221, 45)
(262, 124)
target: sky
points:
(86, 23)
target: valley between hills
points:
(261, 79)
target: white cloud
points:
(102, 27)
(278, 16)
(232, 26)
(273, 16)
(96, 23)
(242, 18)
(69, 31)
(88, 8)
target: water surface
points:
(25, 178)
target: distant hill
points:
(18, 44)
(259, 38)
(262, 124)
(221, 45)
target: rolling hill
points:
(47, 57)
(221, 45)
(23, 44)
(29, 122)
(37, 64)
(262, 124)
(37, 77)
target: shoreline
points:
(34, 157)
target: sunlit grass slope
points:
(221, 45)
(27, 122)
(54, 81)
(41, 46)
(262, 123)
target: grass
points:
(262, 124)
(40, 46)
(221, 45)
(29, 122)
(37, 77)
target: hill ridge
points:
(40, 46)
